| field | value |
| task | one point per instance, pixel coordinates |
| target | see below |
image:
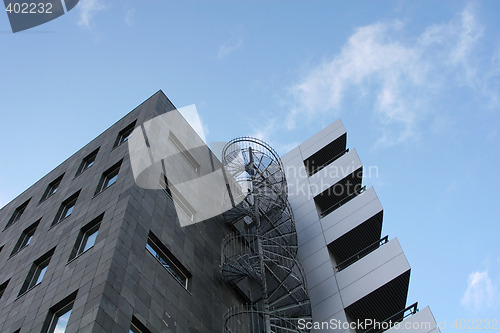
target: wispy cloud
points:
(88, 8)
(129, 16)
(232, 44)
(481, 292)
(263, 132)
(400, 77)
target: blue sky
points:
(415, 83)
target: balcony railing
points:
(315, 169)
(367, 250)
(342, 202)
(398, 317)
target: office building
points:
(108, 240)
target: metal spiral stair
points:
(264, 249)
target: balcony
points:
(398, 317)
(376, 281)
(327, 199)
(339, 193)
(384, 303)
(356, 231)
(418, 322)
(360, 254)
(326, 155)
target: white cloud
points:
(87, 9)
(263, 132)
(480, 293)
(233, 44)
(129, 17)
(400, 77)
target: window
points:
(137, 327)
(25, 238)
(191, 161)
(66, 208)
(52, 188)
(168, 261)
(59, 315)
(179, 202)
(87, 237)
(17, 213)
(3, 286)
(124, 134)
(87, 162)
(108, 178)
(37, 272)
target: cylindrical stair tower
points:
(263, 250)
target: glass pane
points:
(27, 240)
(62, 322)
(90, 241)
(110, 181)
(67, 211)
(150, 249)
(40, 276)
(89, 164)
(167, 264)
(125, 137)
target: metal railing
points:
(364, 252)
(342, 202)
(395, 318)
(315, 169)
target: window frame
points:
(38, 268)
(110, 173)
(137, 326)
(57, 311)
(67, 205)
(58, 315)
(52, 188)
(18, 212)
(87, 161)
(177, 199)
(3, 287)
(124, 134)
(188, 157)
(27, 233)
(168, 261)
(80, 244)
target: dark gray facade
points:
(116, 281)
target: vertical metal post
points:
(267, 319)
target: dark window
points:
(184, 152)
(109, 177)
(37, 272)
(25, 238)
(179, 201)
(168, 261)
(87, 237)
(17, 213)
(52, 188)
(66, 208)
(59, 315)
(3, 286)
(137, 327)
(87, 162)
(124, 134)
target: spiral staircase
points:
(263, 250)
